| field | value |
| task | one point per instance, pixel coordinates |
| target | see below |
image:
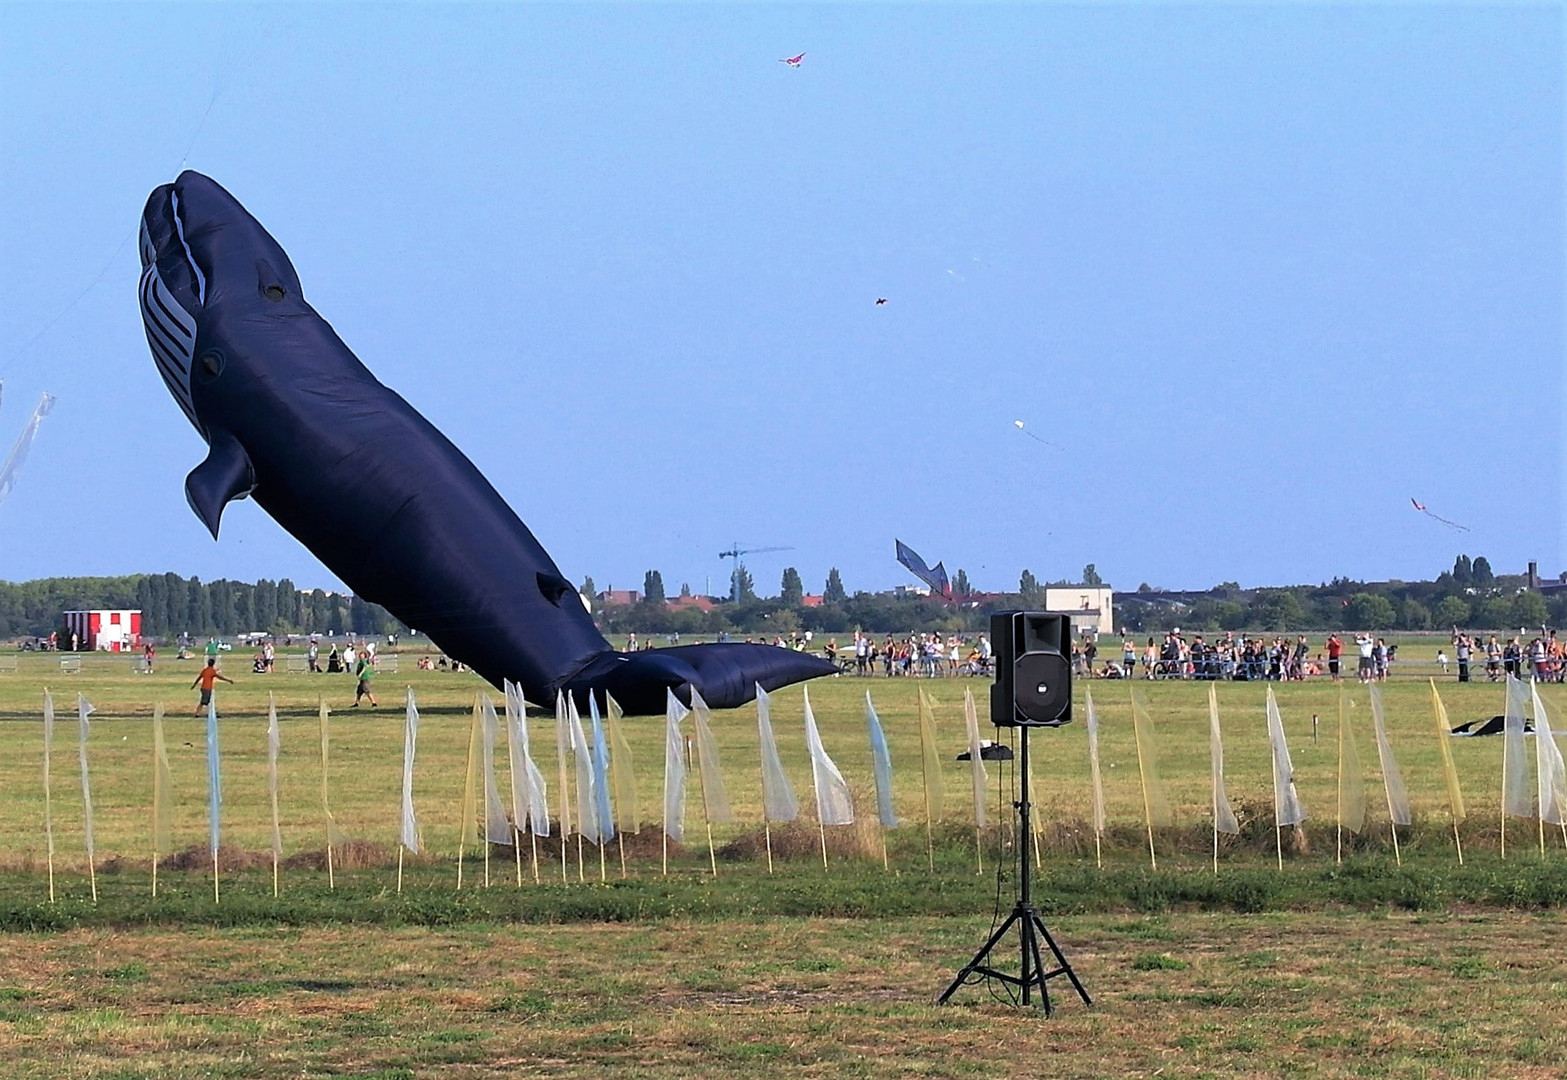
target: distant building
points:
(690, 603)
(618, 598)
(810, 600)
(107, 629)
(1089, 605)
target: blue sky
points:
(1260, 273)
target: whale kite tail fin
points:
(726, 674)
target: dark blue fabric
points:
(935, 577)
(293, 419)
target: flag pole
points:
(603, 877)
(822, 827)
(215, 898)
(767, 835)
(1278, 838)
(665, 832)
(516, 847)
(48, 808)
(459, 865)
(1457, 843)
(621, 838)
(486, 854)
(1504, 802)
(533, 839)
(399, 869)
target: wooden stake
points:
(1216, 845)
(582, 875)
(459, 866)
(534, 840)
(603, 877)
(621, 837)
(979, 853)
(1099, 858)
(712, 855)
(1393, 828)
(823, 830)
(92, 871)
(666, 851)
(1278, 838)
(930, 845)
(767, 834)
(1340, 858)
(1153, 860)
(214, 879)
(399, 869)
(274, 876)
(331, 876)
(516, 848)
(155, 873)
(486, 839)
(1459, 844)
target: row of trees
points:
(171, 605)
(1468, 596)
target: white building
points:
(1089, 606)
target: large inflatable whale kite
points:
(294, 420)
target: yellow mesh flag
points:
(470, 788)
(715, 799)
(162, 788)
(931, 759)
(622, 777)
(1156, 804)
(334, 838)
(1351, 793)
(1455, 797)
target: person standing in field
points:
(1335, 650)
(364, 668)
(206, 678)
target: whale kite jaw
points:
(726, 673)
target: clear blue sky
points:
(1260, 273)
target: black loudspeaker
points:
(1033, 651)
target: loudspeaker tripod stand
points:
(1031, 929)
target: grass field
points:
(1322, 970)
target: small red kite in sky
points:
(1450, 524)
(793, 61)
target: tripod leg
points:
(1066, 968)
(979, 957)
(1031, 945)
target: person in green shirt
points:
(364, 670)
(212, 648)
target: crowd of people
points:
(914, 655)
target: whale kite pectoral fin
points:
(553, 586)
(226, 475)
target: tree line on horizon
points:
(1469, 595)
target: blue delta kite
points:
(293, 419)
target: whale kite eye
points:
(274, 293)
(212, 363)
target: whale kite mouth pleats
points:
(168, 274)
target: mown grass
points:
(1335, 994)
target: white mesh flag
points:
(1223, 814)
(834, 806)
(408, 828)
(562, 740)
(1517, 799)
(1287, 808)
(674, 769)
(84, 710)
(976, 758)
(587, 802)
(530, 804)
(1093, 768)
(1548, 762)
(778, 801)
(497, 827)
(1392, 779)
(274, 746)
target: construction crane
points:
(734, 552)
